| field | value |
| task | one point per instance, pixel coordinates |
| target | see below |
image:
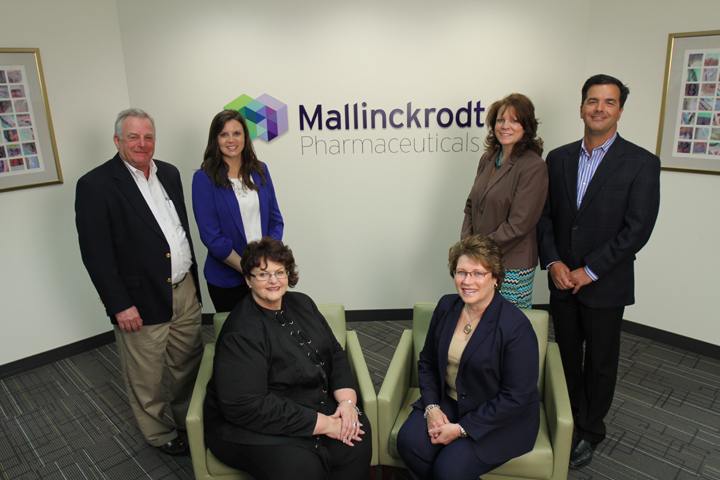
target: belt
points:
(177, 284)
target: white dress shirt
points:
(167, 217)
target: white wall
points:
(46, 298)
(370, 231)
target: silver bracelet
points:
(354, 405)
(428, 408)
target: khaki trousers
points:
(143, 355)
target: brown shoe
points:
(177, 446)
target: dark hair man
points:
(603, 200)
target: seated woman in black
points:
(281, 403)
(478, 374)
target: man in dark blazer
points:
(601, 208)
(132, 227)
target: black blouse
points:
(273, 371)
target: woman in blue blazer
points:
(234, 203)
(478, 374)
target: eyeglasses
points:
(265, 276)
(461, 274)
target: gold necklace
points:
(468, 328)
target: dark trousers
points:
(225, 299)
(291, 462)
(591, 376)
(427, 461)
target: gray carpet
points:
(71, 420)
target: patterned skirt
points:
(518, 285)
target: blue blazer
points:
(498, 399)
(221, 227)
(615, 219)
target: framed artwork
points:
(28, 154)
(689, 134)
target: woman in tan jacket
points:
(509, 192)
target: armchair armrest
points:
(194, 419)
(393, 391)
(558, 411)
(366, 389)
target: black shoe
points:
(581, 454)
(177, 446)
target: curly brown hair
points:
(259, 252)
(214, 165)
(480, 249)
(525, 113)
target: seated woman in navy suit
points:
(234, 203)
(478, 374)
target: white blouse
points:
(249, 203)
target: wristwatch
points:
(463, 433)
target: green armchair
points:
(551, 454)
(205, 464)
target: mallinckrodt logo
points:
(266, 116)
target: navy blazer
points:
(122, 246)
(498, 399)
(614, 222)
(218, 218)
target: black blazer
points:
(615, 220)
(267, 387)
(498, 399)
(122, 245)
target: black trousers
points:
(324, 459)
(591, 375)
(225, 299)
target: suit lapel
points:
(485, 327)
(610, 162)
(446, 335)
(494, 179)
(570, 167)
(130, 190)
(231, 201)
(173, 189)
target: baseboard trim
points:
(60, 353)
(672, 339)
(56, 354)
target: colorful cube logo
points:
(266, 116)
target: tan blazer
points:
(507, 205)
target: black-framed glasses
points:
(265, 276)
(461, 274)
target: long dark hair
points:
(214, 165)
(525, 113)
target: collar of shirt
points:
(604, 147)
(135, 172)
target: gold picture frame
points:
(689, 132)
(28, 153)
